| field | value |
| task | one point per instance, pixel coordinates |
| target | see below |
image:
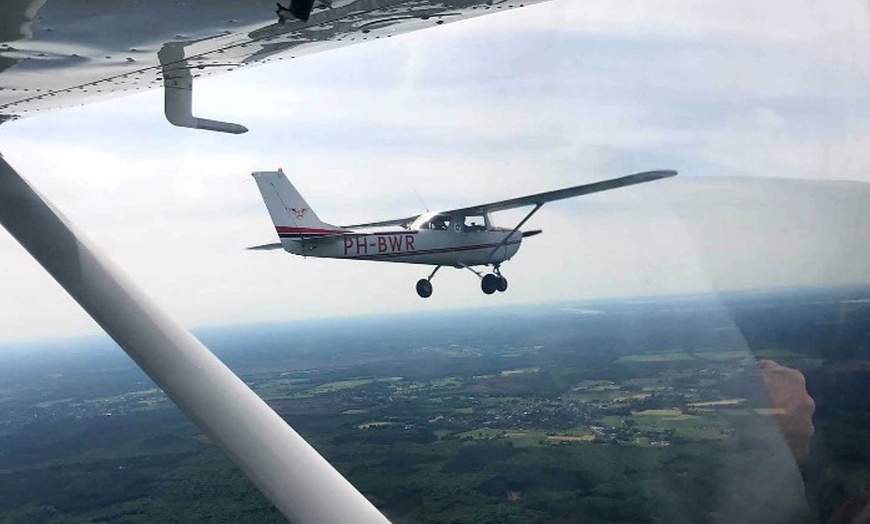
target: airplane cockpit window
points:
(438, 223)
(475, 223)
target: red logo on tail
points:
(299, 212)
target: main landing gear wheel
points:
(424, 285)
(489, 284)
(424, 288)
(501, 286)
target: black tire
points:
(502, 284)
(489, 283)
(424, 288)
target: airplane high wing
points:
(538, 199)
(61, 53)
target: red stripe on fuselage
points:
(433, 251)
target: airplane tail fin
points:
(293, 217)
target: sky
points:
(762, 107)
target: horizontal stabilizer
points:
(532, 232)
(267, 247)
(401, 222)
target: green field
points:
(546, 419)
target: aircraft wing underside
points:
(58, 53)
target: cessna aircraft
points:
(62, 53)
(462, 238)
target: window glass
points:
(439, 222)
(475, 223)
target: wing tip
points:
(660, 173)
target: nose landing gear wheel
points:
(489, 284)
(424, 288)
(502, 284)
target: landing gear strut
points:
(424, 285)
(492, 282)
(489, 283)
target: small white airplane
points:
(462, 238)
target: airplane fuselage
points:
(430, 247)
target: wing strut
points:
(292, 475)
(514, 231)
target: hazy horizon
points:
(761, 107)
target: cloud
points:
(741, 20)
